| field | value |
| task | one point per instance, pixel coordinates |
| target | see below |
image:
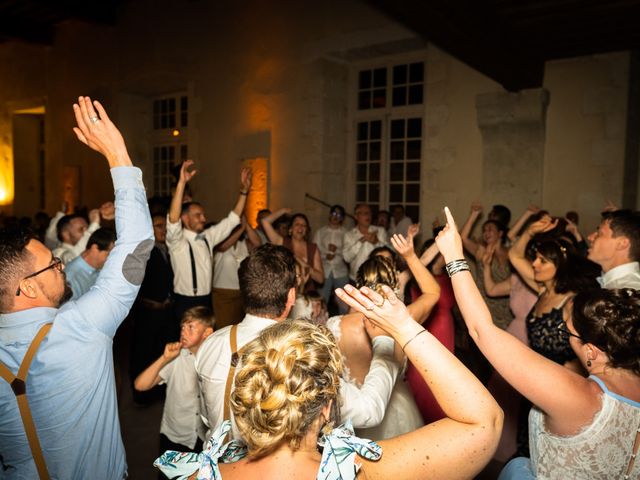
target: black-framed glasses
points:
(563, 328)
(55, 263)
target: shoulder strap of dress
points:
(600, 383)
(19, 386)
(233, 342)
(564, 301)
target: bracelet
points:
(456, 266)
(412, 338)
(244, 193)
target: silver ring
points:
(94, 119)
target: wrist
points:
(407, 331)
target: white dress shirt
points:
(178, 241)
(65, 251)
(181, 421)
(364, 405)
(325, 236)
(225, 271)
(356, 252)
(622, 276)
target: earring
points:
(588, 363)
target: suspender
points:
(19, 386)
(194, 277)
(233, 337)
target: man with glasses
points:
(70, 385)
(329, 240)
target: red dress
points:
(440, 324)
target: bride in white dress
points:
(402, 414)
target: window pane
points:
(396, 171)
(413, 212)
(374, 192)
(414, 128)
(184, 152)
(399, 74)
(380, 77)
(416, 72)
(184, 119)
(184, 104)
(413, 149)
(374, 151)
(365, 79)
(413, 192)
(397, 128)
(361, 175)
(415, 94)
(413, 171)
(361, 193)
(376, 130)
(362, 152)
(363, 130)
(397, 150)
(364, 100)
(163, 121)
(172, 105)
(395, 193)
(379, 98)
(172, 120)
(374, 172)
(399, 96)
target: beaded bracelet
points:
(411, 339)
(456, 266)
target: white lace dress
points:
(402, 414)
(601, 450)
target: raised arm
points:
(458, 446)
(228, 242)
(515, 229)
(267, 224)
(150, 377)
(252, 236)
(491, 287)
(429, 286)
(558, 391)
(470, 244)
(245, 186)
(107, 303)
(176, 201)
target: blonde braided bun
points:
(286, 376)
(375, 272)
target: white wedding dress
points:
(402, 414)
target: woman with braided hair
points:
(285, 398)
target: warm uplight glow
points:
(176, 133)
(258, 195)
(6, 175)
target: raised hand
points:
(99, 133)
(245, 179)
(386, 312)
(448, 240)
(185, 174)
(545, 224)
(487, 256)
(171, 350)
(610, 206)
(404, 246)
(413, 230)
(533, 209)
(476, 207)
(94, 216)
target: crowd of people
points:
(288, 354)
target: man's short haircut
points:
(338, 208)
(265, 278)
(103, 238)
(394, 207)
(360, 205)
(502, 214)
(64, 223)
(187, 205)
(16, 262)
(626, 223)
(200, 314)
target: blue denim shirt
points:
(71, 385)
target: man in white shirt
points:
(400, 223)
(191, 246)
(267, 285)
(82, 272)
(329, 240)
(615, 246)
(359, 242)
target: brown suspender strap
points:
(232, 370)
(19, 386)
